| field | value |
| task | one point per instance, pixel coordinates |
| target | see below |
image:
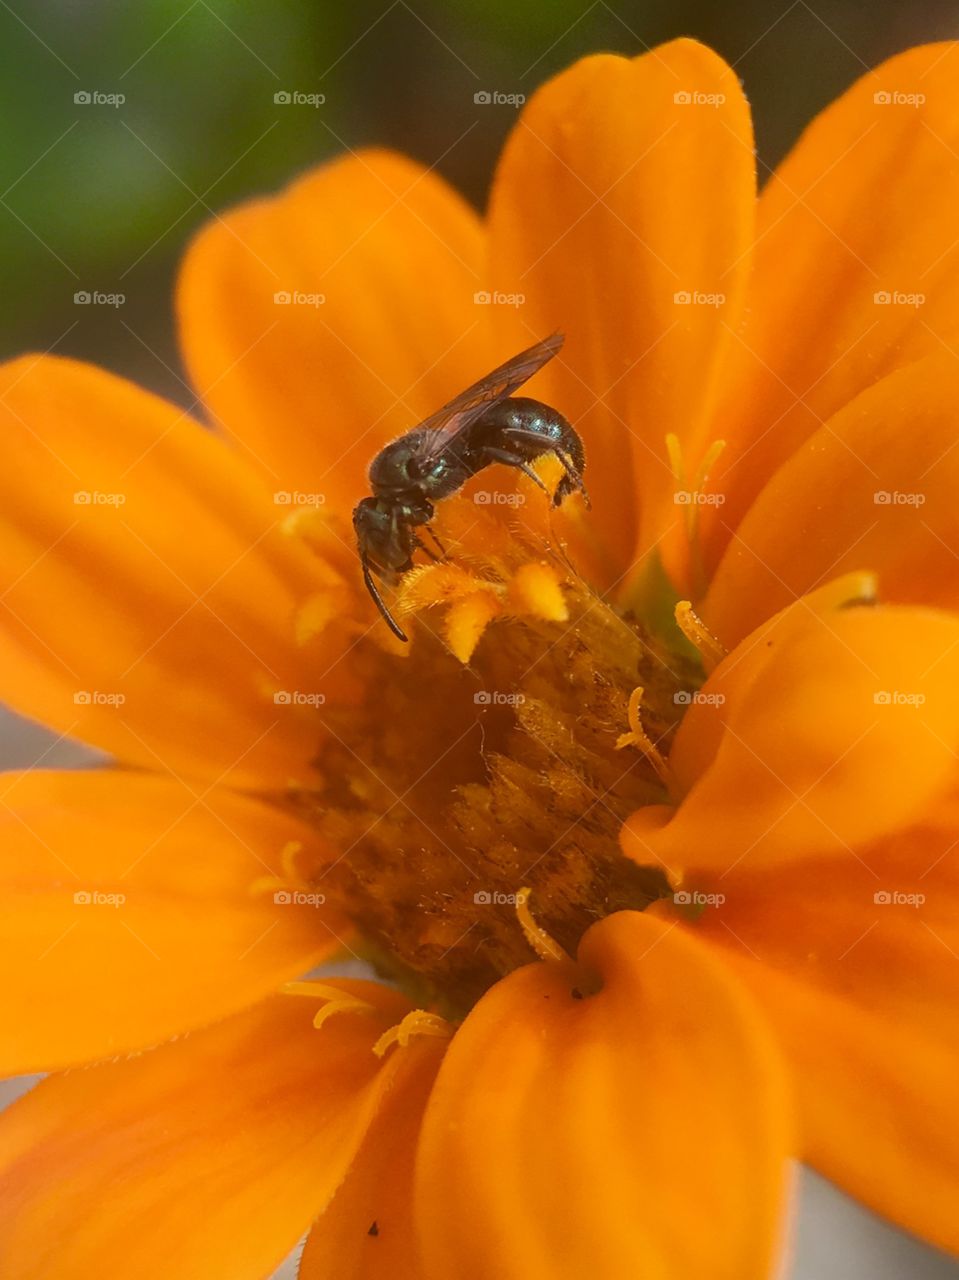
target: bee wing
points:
(441, 428)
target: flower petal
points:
(597, 220)
(780, 754)
(542, 1146)
(875, 488)
(127, 917)
(855, 964)
(855, 267)
(149, 592)
(313, 391)
(367, 1231)
(208, 1157)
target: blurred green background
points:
(100, 196)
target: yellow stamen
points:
(674, 451)
(417, 1023)
(291, 850)
(337, 1000)
(535, 589)
(693, 489)
(290, 876)
(699, 635)
(712, 453)
(540, 941)
(466, 621)
(638, 737)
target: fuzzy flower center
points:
(489, 768)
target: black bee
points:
(484, 424)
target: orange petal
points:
(855, 267)
(127, 917)
(855, 962)
(149, 592)
(208, 1157)
(599, 220)
(313, 391)
(367, 1232)
(637, 1130)
(782, 749)
(875, 488)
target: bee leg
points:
(432, 532)
(420, 545)
(513, 460)
(372, 588)
(572, 481)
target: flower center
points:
(457, 784)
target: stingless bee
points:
(484, 424)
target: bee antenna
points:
(388, 618)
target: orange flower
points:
(638, 883)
